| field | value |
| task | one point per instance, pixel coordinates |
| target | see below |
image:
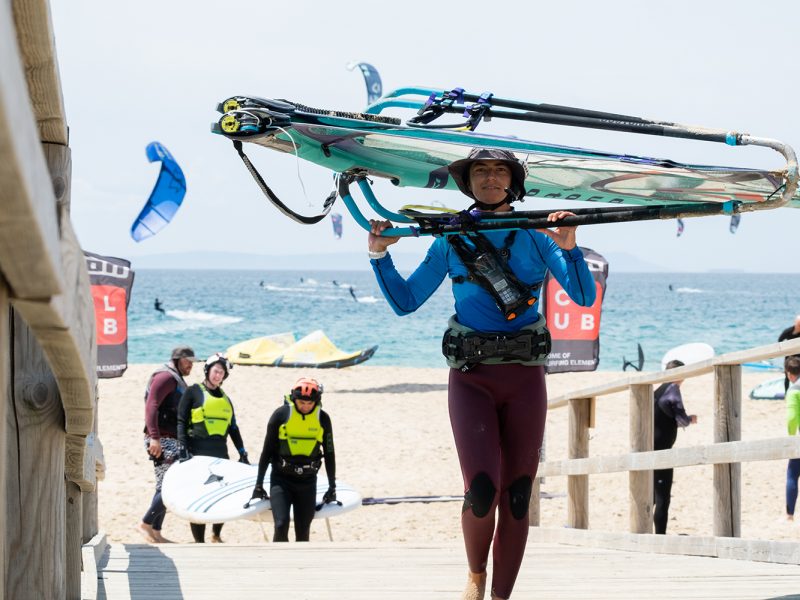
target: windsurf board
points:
(769, 390)
(693, 352)
(205, 489)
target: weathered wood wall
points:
(48, 449)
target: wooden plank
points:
(64, 324)
(780, 552)
(640, 483)
(29, 234)
(34, 520)
(328, 571)
(91, 554)
(728, 452)
(578, 485)
(38, 54)
(727, 427)
(80, 463)
(695, 369)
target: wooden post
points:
(34, 520)
(534, 507)
(73, 539)
(640, 483)
(89, 499)
(727, 428)
(578, 485)
(5, 401)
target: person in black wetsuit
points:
(299, 437)
(668, 414)
(157, 305)
(205, 420)
(790, 333)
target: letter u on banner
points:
(575, 329)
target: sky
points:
(150, 70)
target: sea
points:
(211, 310)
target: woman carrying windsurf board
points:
(496, 345)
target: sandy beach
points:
(393, 438)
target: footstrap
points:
(326, 207)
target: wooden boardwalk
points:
(349, 571)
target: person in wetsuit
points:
(205, 420)
(668, 414)
(299, 437)
(792, 367)
(157, 306)
(790, 333)
(162, 395)
(496, 346)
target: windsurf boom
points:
(416, 153)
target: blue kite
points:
(166, 197)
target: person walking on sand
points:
(496, 345)
(162, 395)
(205, 420)
(792, 368)
(299, 437)
(668, 414)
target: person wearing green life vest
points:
(205, 420)
(299, 438)
(792, 367)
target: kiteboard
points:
(769, 390)
(417, 152)
(314, 351)
(693, 352)
(205, 489)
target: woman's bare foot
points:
(215, 539)
(146, 531)
(160, 539)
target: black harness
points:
(475, 347)
(487, 267)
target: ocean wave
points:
(688, 290)
(182, 320)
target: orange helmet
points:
(306, 388)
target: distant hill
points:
(349, 261)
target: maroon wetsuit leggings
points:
(497, 413)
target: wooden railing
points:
(726, 454)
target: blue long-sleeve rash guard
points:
(532, 254)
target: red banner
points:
(111, 280)
(575, 329)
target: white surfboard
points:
(769, 390)
(205, 489)
(688, 353)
